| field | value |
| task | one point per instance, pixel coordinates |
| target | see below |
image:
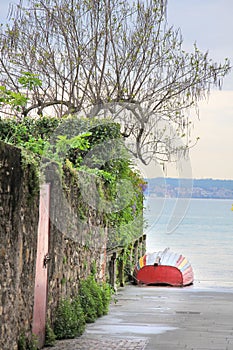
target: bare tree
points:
(108, 57)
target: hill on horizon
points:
(195, 188)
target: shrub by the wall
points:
(106, 292)
(96, 293)
(69, 321)
(87, 302)
(95, 298)
(50, 336)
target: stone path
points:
(85, 342)
(100, 343)
(156, 318)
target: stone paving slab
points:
(101, 343)
(156, 318)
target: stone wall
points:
(77, 238)
(18, 237)
(76, 242)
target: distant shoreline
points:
(205, 198)
(188, 188)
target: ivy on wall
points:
(93, 152)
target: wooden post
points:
(131, 263)
(112, 270)
(140, 247)
(121, 268)
(143, 244)
(135, 252)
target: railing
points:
(121, 261)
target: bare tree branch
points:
(109, 57)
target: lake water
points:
(199, 229)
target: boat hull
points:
(161, 274)
(167, 268)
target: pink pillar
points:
(41, 278)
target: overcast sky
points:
(208, 23)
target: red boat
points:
(164, 268)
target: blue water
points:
(199, 229)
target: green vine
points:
(119, 188)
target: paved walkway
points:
(161, 318)
(101, 343)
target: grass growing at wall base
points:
(26, 343)
(50, 337)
